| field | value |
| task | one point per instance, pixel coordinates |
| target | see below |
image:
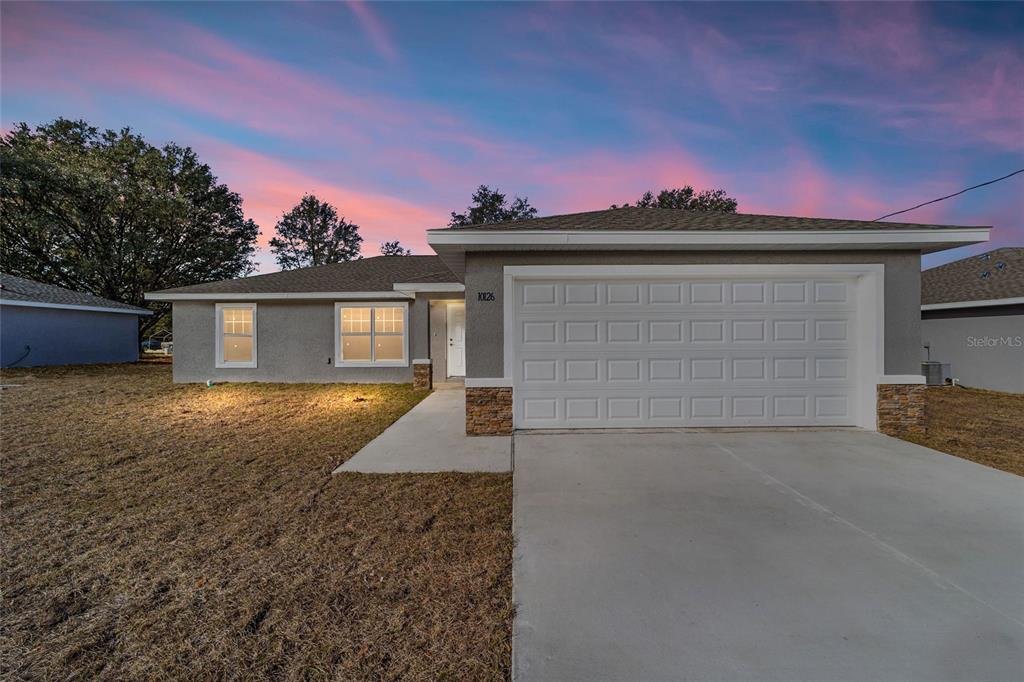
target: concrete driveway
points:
(826, 555)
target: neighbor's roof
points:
(668, 219)
(994, 275)
(379, 273)
(21, 291)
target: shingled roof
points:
(993, 275)
(379, 273)
(662, 219)
(15, 290)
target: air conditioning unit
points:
(936, 373)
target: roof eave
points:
(982, 303)
(452, 245)
(70, 306)
(277, 295)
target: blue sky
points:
(394, 112)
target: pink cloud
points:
(375, 30)
(891, 39)
(799, 185)
(210, 75)
(595, 180)
(270, 187)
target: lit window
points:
(371, 334)
(236, 335)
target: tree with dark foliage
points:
(110, 214)
(394, 248)
(490, 206)
(687, 199)
(313, 234)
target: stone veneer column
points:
(488, 411)
(422, 374)
(901, 409)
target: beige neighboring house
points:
(632, 317)
(972, 318)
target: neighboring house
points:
(629, 317)
(41, 324)
(972, 317)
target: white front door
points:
(456, 339)
(714, 351)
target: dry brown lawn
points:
(161, 531)
(983, 426)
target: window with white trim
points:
(236, 335)
(371, 334)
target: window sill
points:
(235, 365)
(382, 363)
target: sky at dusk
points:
(395, 112)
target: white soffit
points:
(974, 304)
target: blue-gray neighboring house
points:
(42, 324)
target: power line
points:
(948, 196)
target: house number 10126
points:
(485, 295)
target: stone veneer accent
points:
(901, 409)
(423, 375)
(488, 411)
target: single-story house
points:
(42, 324)
(630, 317)
(972, 317)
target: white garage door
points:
(684, 352)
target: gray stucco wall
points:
(294, 344)
(484, 272)
(983, 351)
(66, 337)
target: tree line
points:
(108, 213)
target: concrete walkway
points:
(838, 555)
(431, 437)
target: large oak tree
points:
(112, 215)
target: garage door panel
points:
(684, 352)
(732, 293)
(559, 328)
(693, 408)
(737, 368)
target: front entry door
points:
(456, 339)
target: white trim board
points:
(68, 306)
(430, 287)
(1017, 300)
(713, 270)
(309, 295)
(869, 296)
(733, 239)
